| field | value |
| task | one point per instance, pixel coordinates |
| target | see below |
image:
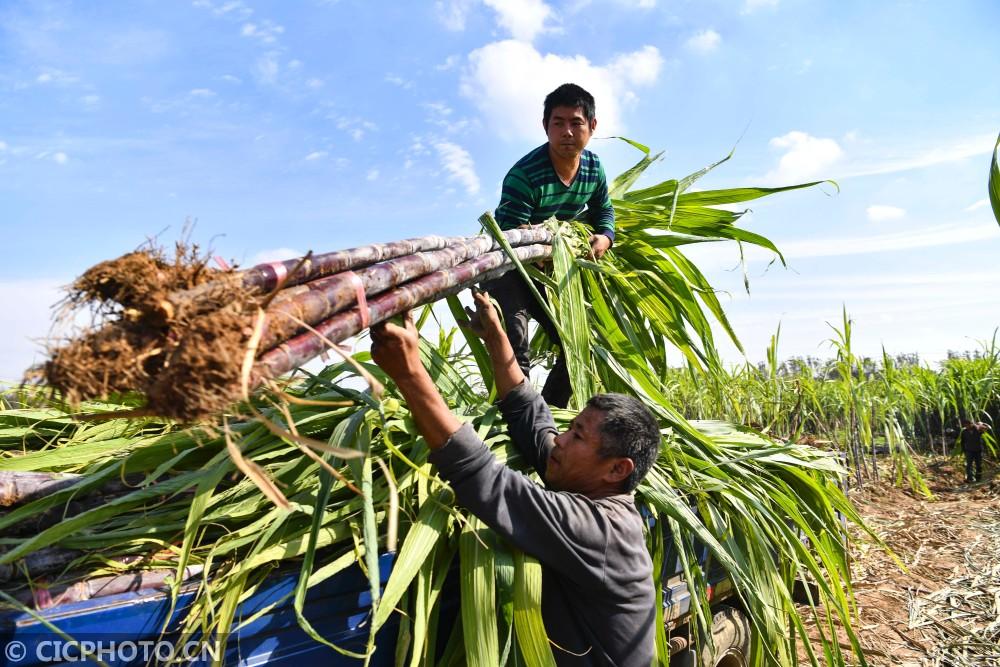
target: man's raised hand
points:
(484, 320)
(396, 349)
(599, 244)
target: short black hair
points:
(628, 430)
(569, 95)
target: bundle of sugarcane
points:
(769, 514)
(193, 340)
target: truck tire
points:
(731, 637)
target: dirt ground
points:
(945, 609)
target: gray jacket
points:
(598, 598)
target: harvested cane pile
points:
(193, 340)
(944, 610)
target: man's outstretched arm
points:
(528, 418)
(396, 349)
(485, 323)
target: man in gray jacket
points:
(597, 593)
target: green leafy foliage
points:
(994, 184)
(768, 513)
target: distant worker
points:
(598, 595)
(560, 178)
(972, 445)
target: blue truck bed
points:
(338, 608)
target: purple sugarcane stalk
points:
(264, 278)
(19, 487)
(298, 350)
(96, 587)
(37, 563)
(320, 299)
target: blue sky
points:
(286, 126)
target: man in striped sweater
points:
(560, 179)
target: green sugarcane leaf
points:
(571, 315)
(994, 182)
(227, 611)
(67, 457)
(93, 516)
(476, 346)
(620, 185)
(307, 577)
(478, 598)
(531, 636)
(421, 538)
(634, 144)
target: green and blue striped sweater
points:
(532, 193)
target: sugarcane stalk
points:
(43, 561)
(18, 487)
(264, 278)
(320, 299)
(96, 587)
(298, 350)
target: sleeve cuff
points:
(520, 395)
(462, 444)
(610, 233)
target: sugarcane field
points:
(320, 349)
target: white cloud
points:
(928, 237)
(266, 32)
(443, 116)
(453, 13)
(438, 108)
(812, 157)
(459, 165)
(449, 63)
(316, 155)
(229, 78)
(275, 255)
(523, 18)
(399, 81)
(315, 83)
(508, 81)
(917, 157)
(704, 41)
(372, 175)
(806, 157)
(974, 206)
(55, 76)
(3, 145)
(25, 319)
(881, 212)
(266, 69)
(201, 92)
(807, 284)
(234, 9)
(60, 157)
(640, 67)
(751, 6)
(719, 255)
(91, 102)
(355, 127)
